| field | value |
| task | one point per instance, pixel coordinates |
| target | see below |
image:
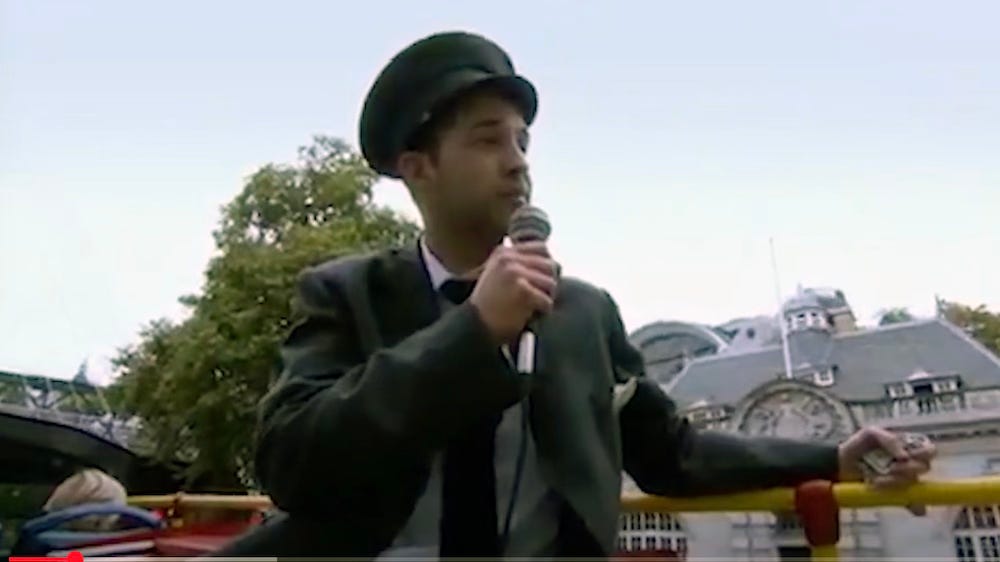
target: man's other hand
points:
(906, 468)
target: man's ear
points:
(413, 167)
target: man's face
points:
(478, 174)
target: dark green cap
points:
(423, 76)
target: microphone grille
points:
(529, 224)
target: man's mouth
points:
(517, 197)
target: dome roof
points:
(803, 301)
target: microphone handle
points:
(527, 344)
(526, 352)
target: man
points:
(400, 425)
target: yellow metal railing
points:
(817, 503)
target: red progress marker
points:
(71, 557)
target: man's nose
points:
(516, 160)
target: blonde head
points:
(88, 486)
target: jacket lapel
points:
(403, 297)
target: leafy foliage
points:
(978, 322)
(894, 316)
(195, 384)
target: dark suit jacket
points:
(376, 381)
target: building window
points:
(897, 390)
(651, 531)
(977, 534)
(650, 520)
(823, 378)
(798, 321)
(677, 545)
(946, 386)
(816, 320)
(787, 523)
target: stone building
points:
(926, 376)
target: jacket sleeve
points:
(666, 456)
(341, 431)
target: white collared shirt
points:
(435, 269)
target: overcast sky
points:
(673, 140)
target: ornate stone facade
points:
(926, 376)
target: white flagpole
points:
(782, 321)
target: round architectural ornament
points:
(794, 410)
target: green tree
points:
(195, 384)
(894, 316)
(978, 322)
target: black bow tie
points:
(457, 290)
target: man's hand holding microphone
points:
(518, 283)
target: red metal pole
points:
(819, 513)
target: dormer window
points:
(813, 318)
(817, 319)
(950, 385)
(796, 321)
(823, 378)
(897, 390)
(706, 415)
(923, 384)
(699, 415)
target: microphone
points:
(528, 224)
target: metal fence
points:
(816, 503)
